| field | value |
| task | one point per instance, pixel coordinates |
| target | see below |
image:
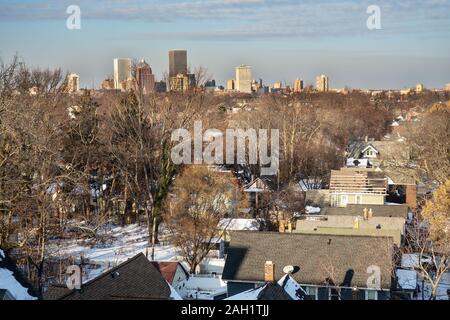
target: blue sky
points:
(281, 39)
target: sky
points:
(281, 39)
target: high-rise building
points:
(447, 87)
(145, 78)
(122, 71)
(230, 85)
(177, 62)
(298, 85)
(244, 79)
(419, 87)
(322, 83)
(73, 83)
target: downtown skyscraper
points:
(177, 62)
(122, 71)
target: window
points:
(334, 294)
(358, 199)
(371, 295)
(311, 292)
(344, 200)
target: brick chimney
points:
(411, 194)
(269, 271)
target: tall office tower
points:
(322, 83)
(177, 62)
(447, 87)
(244, 79)
(298, 86)
(419, 87)
(230, 85)
(73, 83)
(145, 78)
(122, 71)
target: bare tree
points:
(201, 198)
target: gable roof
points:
(321, 258)
(379, 210)
(168, 269)
(135, 279)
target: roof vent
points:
(329, 241)
(115, 274)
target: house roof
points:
(168, 269)
(349, 180)
(12, 280)
(239, 224)
(400, 210)
(343, 260)
(285, 289)
(136, 278)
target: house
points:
(258, 191)
(370, 153)
(362, 225)
(13, 285)
(357, 186)
(329, 267)
(135, 279)
(173, 272)
(285, 289)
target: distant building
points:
(322, 83)
(182, 82)
(447, 87)
(230, 85)
(73, 83)
(244, 79)
(160, 86)
(107, 84)
(122, 71)
(145, 78)
(298, 85)
(177, 62)
(277, 85)
(419, 87)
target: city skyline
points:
(281, 40)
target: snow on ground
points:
(121, 244)
(9, 282)
(312, 210)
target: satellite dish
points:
(288, 269)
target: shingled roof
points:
(342, 260)
(135, 279)
(400, 210)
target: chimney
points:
(370, 214)
(365, 215)
(269, 272)
(366, 139)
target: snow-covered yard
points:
(118, 245)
